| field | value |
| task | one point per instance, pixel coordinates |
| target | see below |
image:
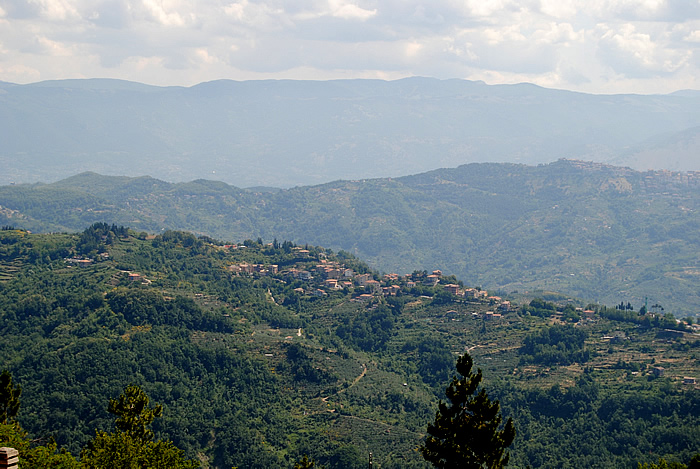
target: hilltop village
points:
(330, 275)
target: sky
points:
(594, 46)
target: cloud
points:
(639, 54)
(591, 45)
(165, 13)
(351, 11)
(57, 10)
(693, 36)
(112, 14)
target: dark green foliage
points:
(467, 433)
(607, 428)
(369, 331)
(539, 307)
(558, 344)
(302, 368)
(9, 398)
(119, 449)
(306, 463)
(139, 307)
(662, 464)
(694, 462)
(348, 457)
(443, 297)
(434, 360)
(131, 445)
(33, 454)
(242, 447)
(648, 321)
(241, 385)
(134, 417)
(96, 237)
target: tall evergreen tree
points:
(467, 433)
(130, 446)
(306, 463)
(133, 414)
(9, 397)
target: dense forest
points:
(261, 352)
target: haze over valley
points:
(289, 133)
(340, 233)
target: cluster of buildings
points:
(658, 179)
(245, 268)
(85, 261)
(328, 275)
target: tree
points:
(9, 397)
(694, 462)
(133, 414)
(130, 446)
(468, 432)
(663, 464)
(34, 456)
(305, 463)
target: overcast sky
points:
(599, 46)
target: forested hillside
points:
(603, 233)
(262, 352)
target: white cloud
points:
(510, 34)
(636, 53)
(556, 33)
(486, 8)
(559, 8)
(19, 73)
(56, 10)
(590, 45)
(53, 48)
(350, 11)
(165, 12)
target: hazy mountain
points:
(593, 231)
(679, 150)
(287, 133)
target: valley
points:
(258, 358)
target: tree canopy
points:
(9, 397)
(467, 433)
(130, 446)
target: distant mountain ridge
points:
(591, 230)
(284, 133)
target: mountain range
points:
(288, 133)
(603, 233)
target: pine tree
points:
(9, 397)
(305, 463)
(133, 414)
(130, 446)
(467, 433)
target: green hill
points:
(260, 353)
(604, 233)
